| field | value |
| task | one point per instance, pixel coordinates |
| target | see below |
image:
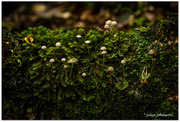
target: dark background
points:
(53, 15)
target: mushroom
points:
(58, 44)
(63, 59)
(152, 51)
(104, 52)
(123, 61)
(88, 42)
(65, 66)
(106, 27)
(72, 60)
(110, 69)
(103, 48)
(43, 47)
(78, 36)
(108, 22)
(84, 74)
(114, 23)
(51, 60)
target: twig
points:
(115, 78)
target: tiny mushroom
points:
(103, 48)
(114, 23)
(104, 52)
(52, 60)
(106, 26)
(87, 42)
(84, 74)
(43, 47)
(152, 51)
(108, 22)
(73, 60)
(58, 44)
(78, 36)
(63, 59)
(65, 66)
(123, 61)
(110, 69)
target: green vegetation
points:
(36, 80)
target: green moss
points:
(34, 83)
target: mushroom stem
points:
(88, 49)
(103, 59)
(112, 28)
(123, 71)
(51, 72)
(84, 80)
(71, 69)
(84, 83)
(78, 41)
(152, 63)
(65, 73)
(103, 63)
(110, 78)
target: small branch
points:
(115, 78)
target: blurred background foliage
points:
(54, 15)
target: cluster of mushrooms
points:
(110, 26)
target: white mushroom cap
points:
(87, 42)
(104, 52)
(73, 60)
(63, 59)
(65, 66)
(110, 68)
(52, 60)
(152, 51)
(58, 44)
(106, 26)
(123, 61)
(84, 74)
(43, 47)
(114, 35)
(114, 23)
(108, 22)
(78, 36)
(103, 48)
